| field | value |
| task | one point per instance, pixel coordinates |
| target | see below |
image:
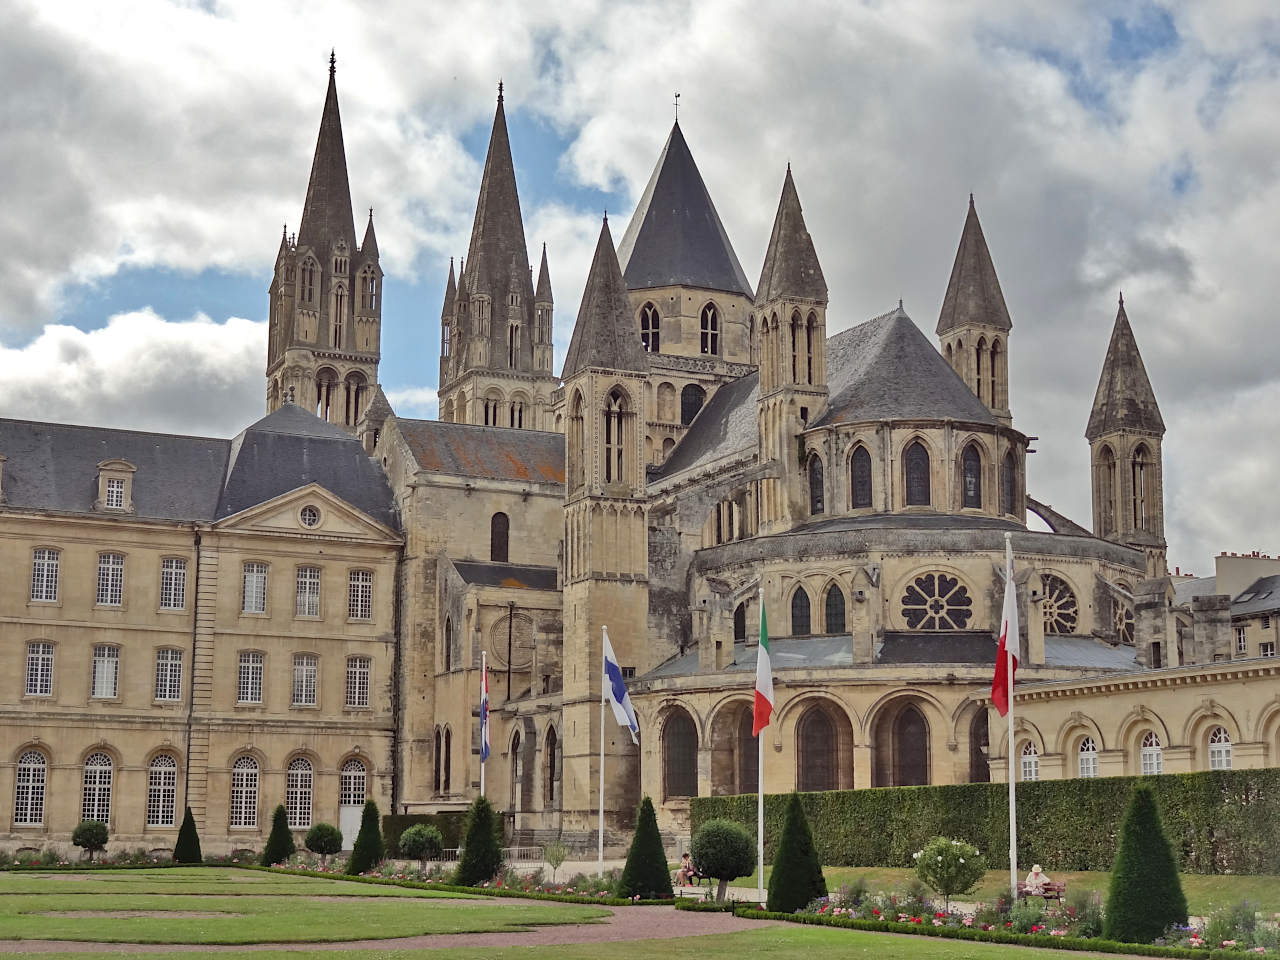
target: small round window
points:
(309, 516)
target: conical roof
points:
(369, 248)
(379, 407)
(605, 335)
(326, 215)
(285, 249)
(543, 294)
(450, 294)
(791, 267)
(973, 293)
(675, 236)
(1125, 400)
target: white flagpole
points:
(483, 677)
(760, 797)
(1011, 644)
(603, 680)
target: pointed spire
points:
(369, 248)
(605, 335)
(791, 267)
(543, 294)
(284, 243)
(1125, 400)
(450, 295)
(675, 237)
(973, 293)
(326, 215)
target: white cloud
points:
(420, 403)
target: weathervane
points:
(677, 105)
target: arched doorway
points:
(679, 755)
(901, 745)
(734, 751)
(824, 749)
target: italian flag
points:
(764, 677)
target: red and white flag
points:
(1002, 682)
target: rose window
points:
(935, 601)
(1122, 621)
(1060, 609)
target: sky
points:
(151, 152)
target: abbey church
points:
(299, 614)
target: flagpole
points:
(1012, 643)
(484, 667)
(760, 799)
(603, 672)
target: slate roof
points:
(369, 246)
(490, 453)
(963, 646)
(450, 294)
(291, 448)
(912, 521)
(791, 267)
(973, 292)
(515, 576)
(326, 215)
(1186, 590)
(675, 236)
(605, 335)
(1087, 652)
(1124, 400)
(725, 425)
(543, 293)
(1261, 596)
(886, 368)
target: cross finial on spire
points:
(971, 198)
(1122, 298)
(499, 89)
(371, 214)
(899, 303)
(606, 215)
(284, 232)
(676, 104)
(333, 60)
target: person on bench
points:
(687, 871)
(1037, 881)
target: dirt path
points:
(625, 923)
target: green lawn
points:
(1204, 893)
(223, 881)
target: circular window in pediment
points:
(309, 516)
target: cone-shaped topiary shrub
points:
(646, 873)
(1146, 895)
(723, 849)
(367, 852)
(280, 846)
(187, 849)
(797, 877)
(482, 845)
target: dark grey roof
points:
(886, 368)
(966, 646)
(675, 236)
(379, 407)
(791, 267)
(512, 575)
(369, 246)
(973, 292)
(543, 293)
(54, 466)
(326, 215)
(1087, 652)
(784, 653)
(450, 294)
(726, 424)
(1187, 589)
(492, 453)
(605, 335)
(1125, 400)
(911, 521)
(1261, 596)
(291, 448)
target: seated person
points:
(686, 873)
(1037, 881)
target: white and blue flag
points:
(484, 708)
(615, 691)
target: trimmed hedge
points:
(1223, 821)
(451, 826)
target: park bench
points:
(1053, 890)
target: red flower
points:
(1008, 923)
(939, 915)
(915, 920)
(876, 911)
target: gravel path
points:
(625, 923)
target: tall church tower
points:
(495, 362)
(974, 324)
(1125, 434)
(326, 294)
(606, 566)
(791, 303)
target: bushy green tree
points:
(324, 839)
(950, 867)
(367, 851)
(723, 849)
(646, 872)
(280, 846)
(797, 878)
(421, 842)
(1146, 895)
(482, 845)
(187, 849)
(92, 835)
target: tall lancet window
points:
(338, 339)
(710, 330)
(795, 346)
(613, 411)
(446, 338)
(993, 368)
(1141, 477)
(513, 344)
(978, 373)
(972, 469)
(810, 328)
(917, 475)
(368, 290)
(650, 328)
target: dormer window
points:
(115, 494)
(115, 486)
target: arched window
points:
(710, 330)
(1106, 491)
(297, 794)
(513, 344)
(1141, 470)
(916, 462)
(448, 644)
(816, 501)
(351, 783)
(613, 442)
(517, 772)
(28, 797)
(551, 781)
(1008, 483)
(1088, 758)
(835, 609)
(800, 621)
(307, 281)
(971, 487)
(910, 755)
(979, 743)
(446, 337)
(692, 397)
(326, 393)
(1030, 762)
(740, 622)
(860, 478)
(993, 370)
(576, 445)
(95, 803)
(339, 328)
(368, 290)
(810, 329)
(816, 751)
(448, 761)
(1059, 607)
(435, 779)
(1219, 749)
(748, 754)
(650, 328)
(499, 530)
(978, 371)
(795, 347)
(356, 390)
(679, 755)
(1151, 754)
(162, 786)
(244, 792)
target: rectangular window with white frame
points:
(44, 575)
(168, 674)
(360, 595)
(110, 580)
(306, 668)
(1267, 648)
(173, 583)
(1242, 641)
(39, 669)
(115, 494)
(106, 672)
(254, 595)
(308, 603)
(249, 682)
(358, 681)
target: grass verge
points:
(220, 881)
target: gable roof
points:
(326, 215)
(1124, 399)
(513, 576)
(675, 236)
(605, 335)
(727, 424)
(791, 267)
(489, 453)
(973, 292)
